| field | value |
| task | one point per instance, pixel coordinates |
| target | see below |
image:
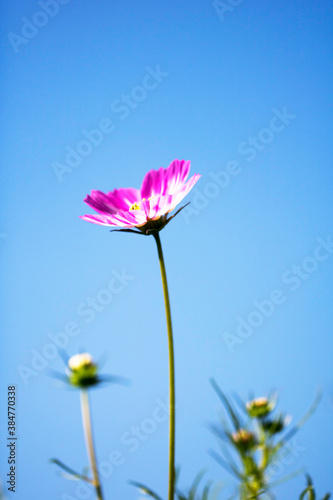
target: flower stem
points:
(86, 420)
(171, 370)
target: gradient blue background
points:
(225, 78)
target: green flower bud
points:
(259, 407)
(275, 426)
(243, 439)
(82, 370)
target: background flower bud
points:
(259, 407)
(82, 370)
(243, 439)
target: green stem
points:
(86, 420)
(171, 370)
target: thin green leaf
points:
(228, 456)
(172, 216)
(300, 424)
(220, 433)
(287, 478)
(177, 474)
(205, 493)
(308, 490)
(229, 468)
(195, 485)
(240, 403)
(69, 477)
(229, 408)
(72, 473)
(126, 231)
(145, 489)
(216, 490)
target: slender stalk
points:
(86, 420)
(172, 397)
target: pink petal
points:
(131, 218)
(151, 207)
(178, 197)
(168, 203)
(99, 202)
(165, 181)
(95, 219)
(161, 205)
(176, 175)
(124, 198)
(112, 202)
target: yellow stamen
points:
(137, 205)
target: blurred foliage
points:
(252, 440)
(210, 491)
(309, 492)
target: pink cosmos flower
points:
(146, 208)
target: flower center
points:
(137, 205)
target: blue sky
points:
(94, 96)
